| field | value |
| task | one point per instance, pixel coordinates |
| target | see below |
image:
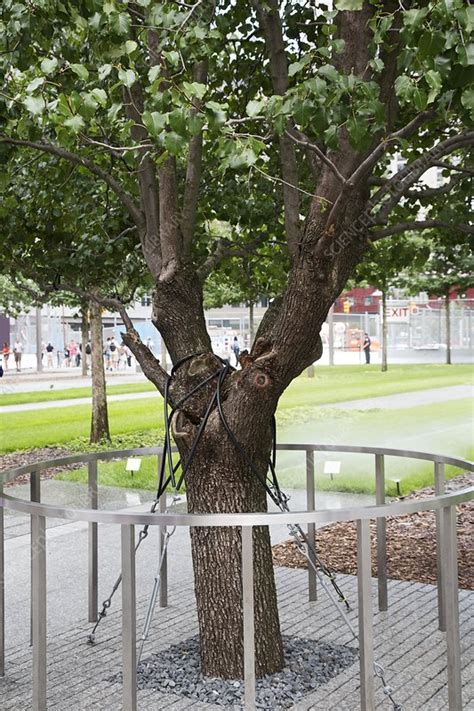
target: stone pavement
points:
(407, 641)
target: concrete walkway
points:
(385, 402)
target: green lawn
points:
(439, 427)
(71, 393)
(330, 384)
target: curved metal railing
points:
(443, 504)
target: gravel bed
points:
(308, 664)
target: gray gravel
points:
(309, 663)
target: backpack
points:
(112, 347)
(88, 349)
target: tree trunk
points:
(84, 336)
(384, 332)
(218, 481)
(448, 328)
(39, 341)
(100, 418)
(251, 325)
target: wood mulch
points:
(19, 459)
(411, 543)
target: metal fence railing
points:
(446, 539)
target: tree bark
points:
(220, 480)
(448, 328)
(384, 332)
(100, 417)
(84, 336)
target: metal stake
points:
(440, 488)
(35, 495)
(451, 599)
(93, 597)
(129, 631)
(310, 505)
(38, 557)
(248, 614)
(381, 533)
(366, 635)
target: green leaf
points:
(174, 143)
(254, 107)
(130, 46)
(329, 72)
(330, 137)
(433, 79)
(75, 123)
(127, 77)
(154, 73)
(48, 66)
(403, 86)
(104, 71)
(80, 70)
(100, 96)
(178, 121)
(349, 4)
(218, 112)
(467, 100)
(121, 23)
(34, 104)
(414, 18)
(172, 58)
(154, 122)
(34, 84)
(194, 89)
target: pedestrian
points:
(18, 352)
(366, 347)
(79, 355)
(128, 354)
(43, 349)
(49, 351)
(6, 354)
(73, 351)
(236, 350)
(67, 357)
(108, 354)
(88, 351)
(114, 354)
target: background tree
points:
(163, 103)
(447, 272)
(391, 264)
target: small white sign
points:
(133, 464)
(332, 467)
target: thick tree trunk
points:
(384, 332)
(100, 418)
(448, 328)
(84, 336)
(220, 481)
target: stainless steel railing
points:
(443, 504)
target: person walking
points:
(49, 351)
(366, 347)
(18, 352)
(6, 354)
(236, 350)
(88, 352)
(114, 354)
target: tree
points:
(447, 271)
(389, 264)
(167, 105)
(53, 214)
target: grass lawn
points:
(71, 393)
(330, 384)
(442, 428)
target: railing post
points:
(38, 608)
(310, 505)
(163, 595)
(2, 586)
(451, 600)
(129, 623)
(248, 617)
(440, 489)
(366, 634)
(381, 533)
(35, 495)
(93, 598)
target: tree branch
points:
(224, 249)
(419, 225)
(270, 22)
(301, 140)
(193, 171)
(126, 200)
(450, 166)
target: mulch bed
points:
(19, 459)
(411, 543)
